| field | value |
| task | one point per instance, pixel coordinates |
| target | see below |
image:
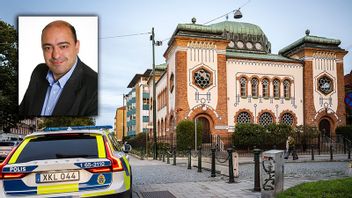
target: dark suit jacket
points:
(78, 98)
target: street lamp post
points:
(123, 117)
(195, 133)
(155, 147)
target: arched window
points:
(243, 118)
(287, 118)
(254, 83)
(265, 119)
(265, 84)
(287, 90)
(243, 83)
(276, 84)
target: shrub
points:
(138, 141)
(346, 131)
(185, 134)
(249, 135)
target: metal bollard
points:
(167, 157)
(256, 170)
(189, 158)
(331, 154)
(312, 151)
(349, 152)
(164, 156)
(213, 162)
(174, 155)
(199, 159)
(142, 155)
(231, 176)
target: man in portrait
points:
(63, 85)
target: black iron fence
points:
(304, 146)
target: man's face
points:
(59, 49)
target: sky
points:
(122, 56)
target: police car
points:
(78, 163)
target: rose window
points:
(325, 85)
(243, 118)
(265, 119)
(202, 78)
(287, 118)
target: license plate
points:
(49, 177)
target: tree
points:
(8, 77)
(67, 121)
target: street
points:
(153, 178)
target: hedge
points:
(185, 134)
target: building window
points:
(265, 119)
(254, 87)
(202, 78)
(287, 119)
(325, 85)
(276, 84)
(243, 118)
(265, 84)
(287, 90)
(243, 82)
(171, 82)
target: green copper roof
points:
(225, 26)
(313, 40)
(269, 57)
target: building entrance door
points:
(325, 127)
(205, 129)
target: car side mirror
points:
(126, 148)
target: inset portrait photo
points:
(58, 65)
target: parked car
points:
(6, 147)
(66, 164)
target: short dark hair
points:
(73, 30)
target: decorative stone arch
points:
(258, 83)
(162, 127)
(290, 87)
(172, 125)
(158, 128)
(246, 86)
(266, 111)
(165, 125)
(280, 82)
(330, 117)
(244, 110)
(207, 125)
(294, 121)
(261, 83)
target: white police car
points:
(79, 163)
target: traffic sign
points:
(348, 100)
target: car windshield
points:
(57, 147)
(7, 143)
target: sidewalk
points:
(303, 159)
(219, 186)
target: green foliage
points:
(66, 121)
(329, 188)
(185, 134)
(249, 135)
(307, 132)
(346, 131)
(137, 142)
(8, 76)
